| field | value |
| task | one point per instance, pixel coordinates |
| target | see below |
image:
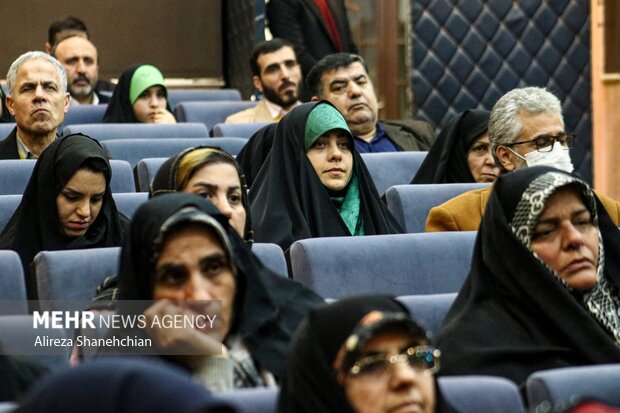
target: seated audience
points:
(361, 354)
(38, 100)
(253, 154)
(542, 291)
(461, 153)
(139, 96)
(213, 174)
(122, 386)
(276, 74)
(343, 80)
(526, 128)
(314, 182)
(67, 204)
(181, 249)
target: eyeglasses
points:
(544, 143)
(421, 358)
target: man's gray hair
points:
(12, 73)
(504, 123)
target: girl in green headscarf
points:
(140, 96)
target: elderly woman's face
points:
(332, 159)
(194, 266)
(566, 239)
(402, 388)
(220, 184)
(480, 160)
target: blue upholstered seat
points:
(429, 309)
(410, 204)
(401, 264)
(241, 130)
(253, 400)
(272, 257)
(392, 168)
(209, 113)
(5, 129)
(481, 394)
(145, 172)
(107, 131)
(558, 385)
(84, 114)
(12, 284)
(19, 337)
(132, 150)
(176, 96)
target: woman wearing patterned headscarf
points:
(543, 287)
(314, 182)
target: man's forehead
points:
(352, 71)
(280, 55)
(76, 46)
(35, 68)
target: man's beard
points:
(80, 91)
(289, 98)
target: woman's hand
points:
(164, 116)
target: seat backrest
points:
(392, 168)
(5, 129)
(128, 202)
(14, 175)
(12, 284)
(176, 96)
(72, 274)
(19, 337)
(556, 385)
(107, 131)
(84, 114)
(481, 394)
(399, 264)
(122, 177)
(8, 205)
(272, 257)
(410, 204)
(241, 130)
(145, 172)
(209, 113)
(253, 400)
(430, 309)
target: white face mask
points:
(557, 158)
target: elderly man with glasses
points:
(526, 128)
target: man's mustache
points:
(81, 77)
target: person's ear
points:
(9, 105)
(506, 158)
(257, 84)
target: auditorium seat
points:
(481, 394)
(272, 257)
(176, 96)
(253, 400)
(12, 284)
(392, 168)
(573, 383)
(429, 309)
(399, 264)
(19, 337)
(241, 130)
(132, 150)
(8, 205)
(5, 129)
(107, 131)
(145, 172)
(15, 174)
(80, 114)
(209, 113)
(410, 204)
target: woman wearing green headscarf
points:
(314, 183)
(140, 96)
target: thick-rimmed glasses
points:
(423, 359)
(544, 143)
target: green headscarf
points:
(143, 78)
(322, 119)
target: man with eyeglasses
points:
(526, 128)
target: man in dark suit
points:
(79, 57)
(316, 28)
(342, 79)
(38, 100)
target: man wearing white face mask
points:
(526, 129)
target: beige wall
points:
(605, 109)
(181, 37)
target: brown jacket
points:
(259, 113)
(464, 212)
